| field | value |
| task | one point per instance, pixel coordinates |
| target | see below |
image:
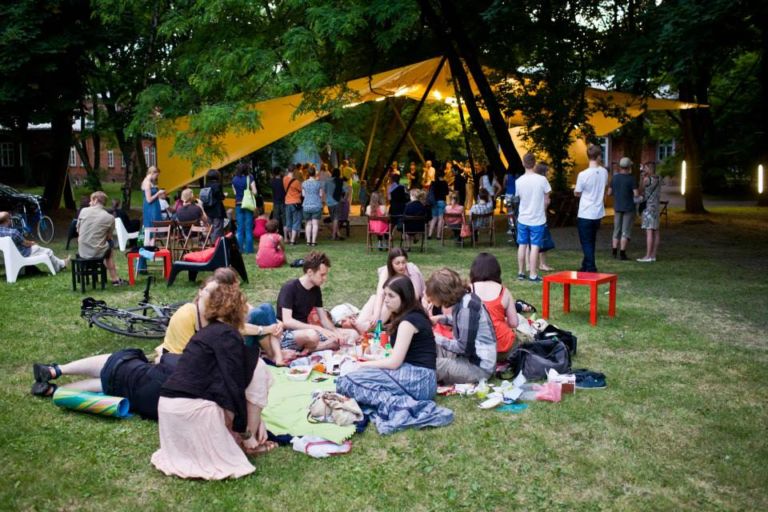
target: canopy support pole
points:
(464, 127)
(370, 142)
(410, 137)
(413, 118)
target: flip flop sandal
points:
(523, 307)
(44, 389)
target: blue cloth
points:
(239, 183)
(530, 235)
(150, 213)
(312, 200)
(244, 220)
(510, 191)
(263, 314)
(293, 215)
(588, 238)
(396, 399)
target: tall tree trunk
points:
(467, 52)
(762, 76)
(61, 132)
(694, 199)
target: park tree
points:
(43, 46)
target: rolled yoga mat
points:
(92, 403)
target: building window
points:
(7, 155)
(72, 157)
(665, 150)
(111, 159)
(153, 155)
(122, 162)
(146, 156)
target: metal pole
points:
(410, 137)
(370, 142)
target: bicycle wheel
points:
(45, 229)
(130, 324)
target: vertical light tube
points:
(683, 179)
(760, 179)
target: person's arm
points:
(547, 200)
(509, 309)
(405, 332)
(280, 244)
(458, 345)
(379, 302)
(254, 188)
(291, 323)
(147, 188)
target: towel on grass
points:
(289, 404)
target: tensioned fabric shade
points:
(278, 120)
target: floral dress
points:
(650, 216)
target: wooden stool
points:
(165, 254)
(85, 270)
(591, 279)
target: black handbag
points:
(554, 332)
(535, 359)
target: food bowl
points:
(298, 373)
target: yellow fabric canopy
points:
(278, 115)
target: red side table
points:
(162, 253)
(591, 279)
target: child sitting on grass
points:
(271, 253)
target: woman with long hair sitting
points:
(378, 227)
(485, 276)
(209, 410)
(398, 390)
(397, 264)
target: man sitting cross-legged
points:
(297, 299)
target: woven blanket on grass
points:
(289, 404)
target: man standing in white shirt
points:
(590, 188)
(533, 191)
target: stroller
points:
(512, 203)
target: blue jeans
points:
(588, 238)
(263, 314)
(244, 219)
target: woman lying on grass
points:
(210, 407)
(397, 265)
(398, 390)
(125, 373)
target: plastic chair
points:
(122, 235)
(14, 261)
(226, 255)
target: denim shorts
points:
(312, 214)
(293, 216)
(530, 235)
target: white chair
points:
(123, 235)
(14, 261)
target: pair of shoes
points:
(535, 279)
(614, 252)
(623, 256)
(43, 389)
(429, 237)
(646, 260)
(521, 277)
(120, 282)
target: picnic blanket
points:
(289, 403)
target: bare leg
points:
(90, 366)
(543, 262)
(308, 231)
(111, 269)
(315, 230)
(440, 221)
(532, 259)
(624, 243)
(92, 385)
(649, 243)
(432, 224)
(309, 339)
(655, 237)
(522, 256)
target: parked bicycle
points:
(34, 223)
(147, 320)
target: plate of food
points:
(299, 373)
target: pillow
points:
(199, 256)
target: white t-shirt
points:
(591, 183)
(532, 189)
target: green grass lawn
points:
(682, 424)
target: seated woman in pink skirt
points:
(271, 252)
(209, 410)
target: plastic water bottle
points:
(387, 350)
(377, 332)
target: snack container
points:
(298, 373)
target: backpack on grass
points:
(535, 359)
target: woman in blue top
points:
(150, 204)
(243, 217)
(312, 205)
(397, 391)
